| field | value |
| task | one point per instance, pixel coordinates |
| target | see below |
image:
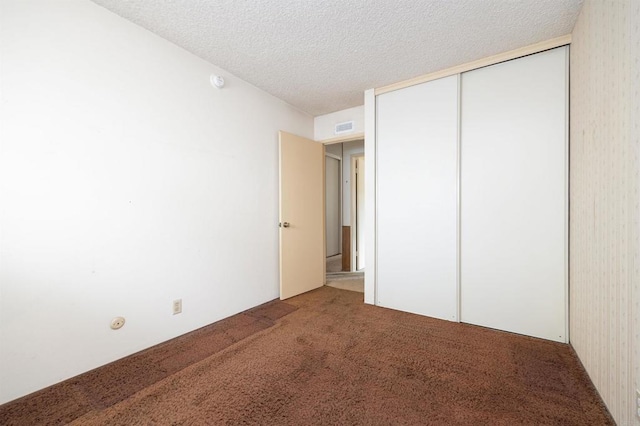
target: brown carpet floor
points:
(326, 358)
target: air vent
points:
(344, 127)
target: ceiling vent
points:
(344, 127)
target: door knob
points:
(286, 225)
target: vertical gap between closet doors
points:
(567, 175)
(458, 201)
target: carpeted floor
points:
(326, 358)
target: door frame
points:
(354, 212)
(341, 139)
(370, 149)
(335, 157)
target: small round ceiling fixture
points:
(217, 81)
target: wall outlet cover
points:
(177, 306)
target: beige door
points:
(302, 250)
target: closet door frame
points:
(371, 186)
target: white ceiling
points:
(321, 55)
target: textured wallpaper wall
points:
(604, 200)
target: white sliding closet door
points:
(513, 195)
(416, 138)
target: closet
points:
(471, 183)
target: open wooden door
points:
(302, 245)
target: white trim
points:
(490, 60)
(354, 211)
(340, 139)
(370, 189)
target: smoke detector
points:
(217, 81)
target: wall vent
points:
(344, 127)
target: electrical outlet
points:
(177, 306)
(117, 323)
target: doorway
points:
(348, 262)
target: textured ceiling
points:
(321, 55)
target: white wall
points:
(127, 181)
(334, 149)
(604, 201)
(324, 125)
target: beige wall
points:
(604, 211)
